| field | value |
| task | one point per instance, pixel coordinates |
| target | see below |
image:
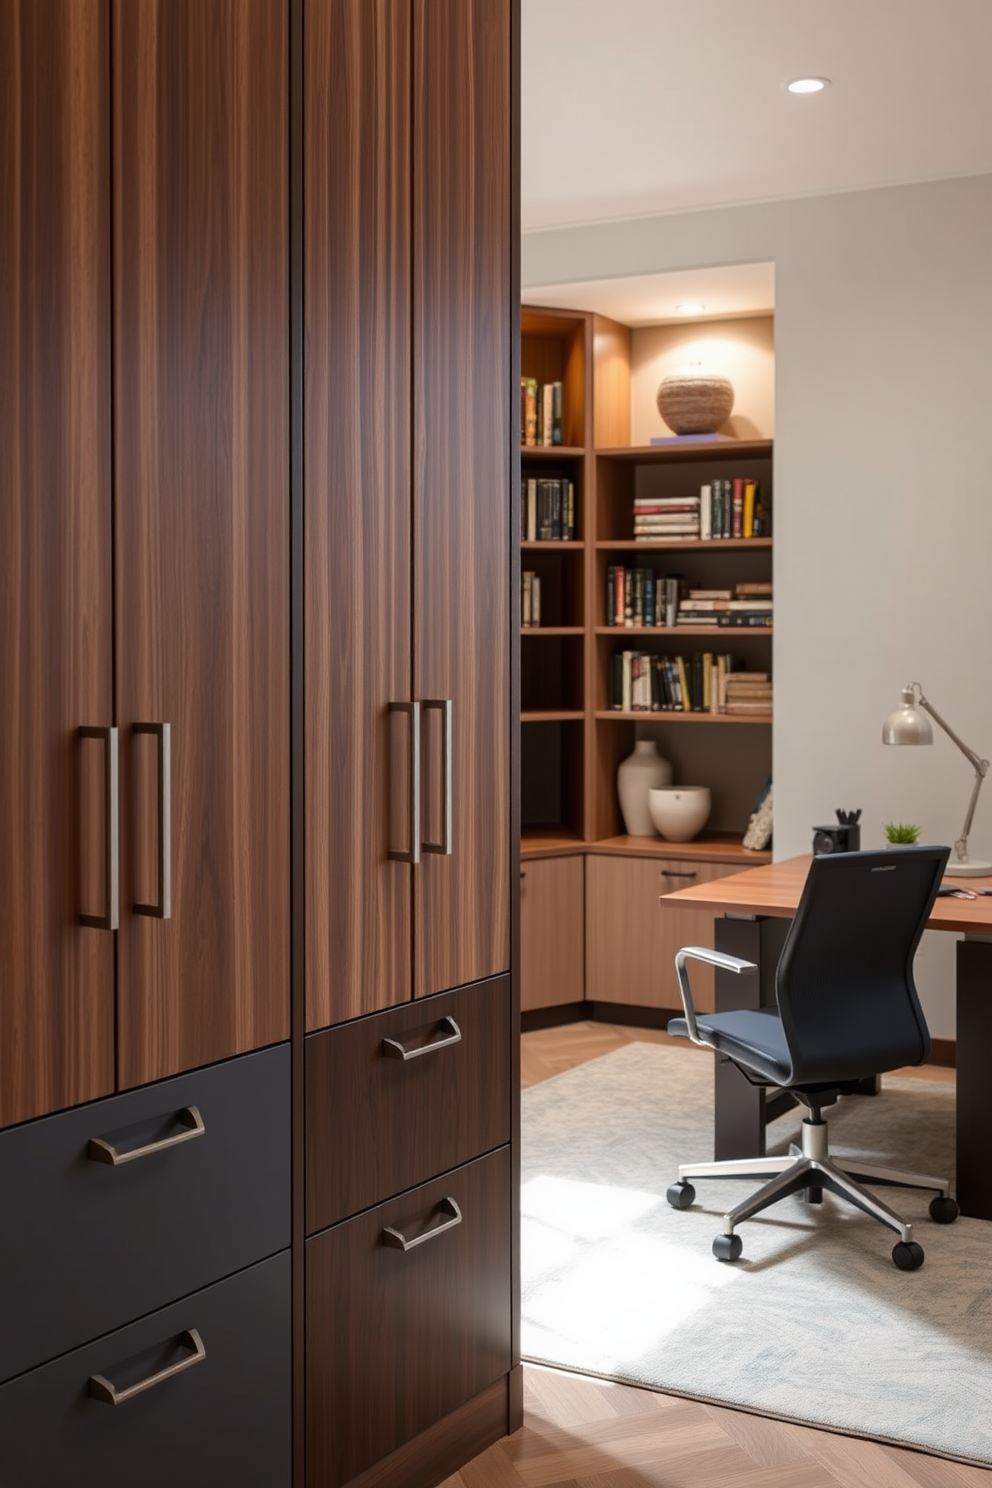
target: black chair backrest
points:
(844, 981)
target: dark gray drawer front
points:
(224, 1419)
(377, 1123)
(85, 1246)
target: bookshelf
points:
(572, 737)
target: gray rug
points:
(815, 1324)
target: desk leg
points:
(738, 1106)
(974, 1043)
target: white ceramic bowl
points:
(679, 812)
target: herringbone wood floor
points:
(587, 1433)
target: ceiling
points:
(639, 107)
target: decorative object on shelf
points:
(898, 834)
(695, 400)
(907, 725)
(759, 828)
(680, 812)
(844, 837)
(636, 776)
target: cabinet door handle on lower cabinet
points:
(412, 853)
(398, 1241)
(393, 1049)
(105, 1390)
(110, 919)
(442, 706)
(162, 908)
(101, 1151)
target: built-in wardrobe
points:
(257, 787)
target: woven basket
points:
(695, 402)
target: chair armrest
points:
(715, 958)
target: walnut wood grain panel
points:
(201, 516)
(357, 502)
(377, 1124)
(56, 1023)
(398, 1339)
(631, 941)
(552, 938)
(462, 445)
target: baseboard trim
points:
(446, 1446)
(944, 1053)
(534, 1019)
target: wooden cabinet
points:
(407, 481)
(631, 941)
(144, 525)
(552, 943)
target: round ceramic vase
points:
(680, 812)
(639, 773)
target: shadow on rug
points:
(815, 1324)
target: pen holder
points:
(836, 838)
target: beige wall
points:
(741, 349)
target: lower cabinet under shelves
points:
(204, 1397)
(407, 1316)
(552, 952)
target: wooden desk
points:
(754, 909)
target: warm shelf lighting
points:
(690, 307)
(808, 85)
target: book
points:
(747, 518)
(737, 507)
(692, 439)
(528, 413)
(706, 512)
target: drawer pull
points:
(189, 1119)
(393, 1049)
(398, 1241)
(105, 1390)
(678, 873)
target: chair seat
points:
(755, 1035)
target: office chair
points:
(847, 1009)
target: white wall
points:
(883, 489)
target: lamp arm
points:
(980, 766)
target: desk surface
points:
(775, 889)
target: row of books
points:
(722, 508)
(548, 509)
(530, 606)
(705, 682)
(540, 412)
(641, 597)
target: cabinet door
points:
(552, 933)
(201, 516)
(56, 976)
(461, 441)
(357, 504)
(631, 940)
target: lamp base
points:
(974, 868)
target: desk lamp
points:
(907, 725)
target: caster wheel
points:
(728, 1247)
(944, 1211)
(681, 1195)
(907, 1255)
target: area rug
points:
(815, 1324)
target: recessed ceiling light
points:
(808, 85)
(690, 307)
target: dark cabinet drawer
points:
(397, 1338)
(85, 1246)
(377, 1122)
(224, 1418)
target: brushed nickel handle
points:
(393, 1049)
(162, 908)
(189, 1118)
(412, 855)
(398, 1241)
(442, 706)
(676, 873)
(105, 1390)
(111, 918)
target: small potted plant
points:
(897, 833)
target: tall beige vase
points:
(640, 772)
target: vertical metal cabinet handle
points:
(412, 855)
(110, 919)
(102, 1151)
(393, 1049)
(398, 1241)
(443, 706)
(162, 908)
(105, 1390)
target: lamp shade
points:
(907, 725)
